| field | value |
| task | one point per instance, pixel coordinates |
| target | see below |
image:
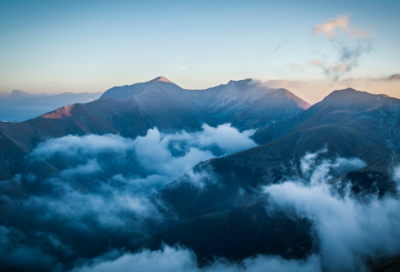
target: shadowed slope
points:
(366, 127)
(132, 110)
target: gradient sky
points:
(77, 46)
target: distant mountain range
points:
(18, 94)
(21, 106)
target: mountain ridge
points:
(132, 110)
(362, 132)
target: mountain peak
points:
(18, 94)
(346, 94)
(353, 100)
(163, 79)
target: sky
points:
(311, 47)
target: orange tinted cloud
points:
(331, 26)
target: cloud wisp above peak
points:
(277, 83)
(330, 27)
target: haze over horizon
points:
(311, 50)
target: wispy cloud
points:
(277, 83)
(368, 79)
(331, 26)
(349, 50)
(348, 60)
(394, 77)
(279, 47)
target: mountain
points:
(18, 94)
(374, 178)
(243, 103)
(244, 228)
(388, 266)
(240, 233)
(347, 123)
(346, 108)
(21, 106)
(219, 209)
(132, 110)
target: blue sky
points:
(57, 46)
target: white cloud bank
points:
(95, 189)
(350, 231)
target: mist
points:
(105, 191)
(352, 233)
(102, 190)
(179, 260)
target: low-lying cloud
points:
(351, 232)
(177, 259)
(16, 256)
(93, 184)
(94, 212)
(100, 188)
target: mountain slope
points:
(347, 123)
(344, 108)
(250, 224)
(365, 127)
(132, 110)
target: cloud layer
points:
(102, 191)
(351, 232)
(183, 260)
(93, 213)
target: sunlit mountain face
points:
(290, 161)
